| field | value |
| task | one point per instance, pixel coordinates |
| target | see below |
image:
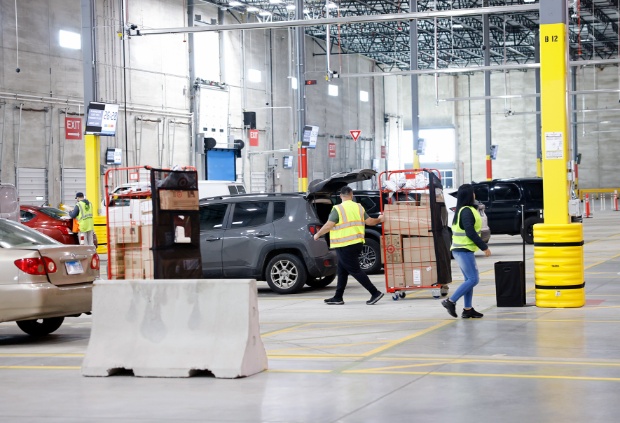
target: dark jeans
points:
(349, 264)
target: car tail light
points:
(314, 229)
(94, 262)
(36, 266)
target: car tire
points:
(286, 274)
(527, 233)
(40, 327)
(370, 257)
(320, 282)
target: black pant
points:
(349, 264)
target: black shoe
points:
(375, 298)
(471, 314)
(334, 301)
(450, 306)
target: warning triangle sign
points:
(355, 133)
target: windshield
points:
(16, 235)
(55, 213)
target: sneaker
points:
(334, 301)
(471, 313)
(450, 306)
(375, 298)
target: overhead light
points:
(331, 5)
(529, 1)
(252, 9)
(457, 26)
(306, 11)
(290, 7)
(275, 1)
(264, 13)
(235, 3)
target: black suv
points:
(270, 236)
(503, 200)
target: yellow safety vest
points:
(459, 238)
(350, 227)
(85, 216)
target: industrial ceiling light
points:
(529, 1)
(275, 1)
(252, 9)
(457, 26)
(331, 5)
(264, 13)
(235, 3)
(290, 7)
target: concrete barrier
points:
(175, 328)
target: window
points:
(369, 205)
(482, 193)
(25, 216)
(506, 192)
(279, 210)
(254, 75)
(293, 79)
(534, 191)
(447, 178)
(68, 39)
(212, 217)
(364, 96)
(250, 213)
(332, 90)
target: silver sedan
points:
(41, 280)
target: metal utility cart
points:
(415, 236)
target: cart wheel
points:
(444, 290)
(435, 292)
(395, 297)
(402, 294)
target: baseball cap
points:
(79, 195)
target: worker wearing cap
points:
(83, 213)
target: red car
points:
(50, 221)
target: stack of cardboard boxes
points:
(131, 239)
(409, 250)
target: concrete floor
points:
(397, 361)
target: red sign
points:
(355, 133)
(331, 150)
(253, 137)
(310, 81)
(383, 152)
(73, 128)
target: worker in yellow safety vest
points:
(465, 241)
(346, 233)
(83, 213)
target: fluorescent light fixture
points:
(364, 96)
(254, 75)
(457, 26)
(290, 7)
(68, 39)
(252, 9)
(331, 5)
(293, 83)
(306, 11)
(333, 90)
(264, 13)
(235, 3)
(529, 1)
(275, 1)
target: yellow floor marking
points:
(297, 371)
(498, 375)
(408, 338)
(554, 361)
(288, 329)
(324, 347)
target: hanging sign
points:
(253, 137)
(331, 150)
(73, 128)
(383, 152)
(355, 133)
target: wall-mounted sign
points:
(383, 152)
(287, 162)
(114, 156)
(355, 134)
(331, 150)
(310, 136)
(73, 128)
(253, 137)
(101, 119)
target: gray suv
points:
(270, 236)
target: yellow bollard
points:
(558, 265)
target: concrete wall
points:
(157, 127)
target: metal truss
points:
(454, 42)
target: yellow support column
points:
(93, 170)
(558, 244)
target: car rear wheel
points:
(286, 274)
(370, 257)
(321, 282)
(40, 327)
(527, 233)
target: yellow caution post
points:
(93, 171)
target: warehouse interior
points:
(192, 77)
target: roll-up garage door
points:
(73, 180)
(32, 186)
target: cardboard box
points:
(135, 256)
(146, 236)
(418, 249)
(406, 218)
(411, 274)
(178, 200)
(134, 273)
(127, 234)
(149, 270)
(425, 197)
(392, 249)
(119, 216)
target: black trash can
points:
(510, 283)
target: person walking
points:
(346, 234)
(465, 241)
(83, 213)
